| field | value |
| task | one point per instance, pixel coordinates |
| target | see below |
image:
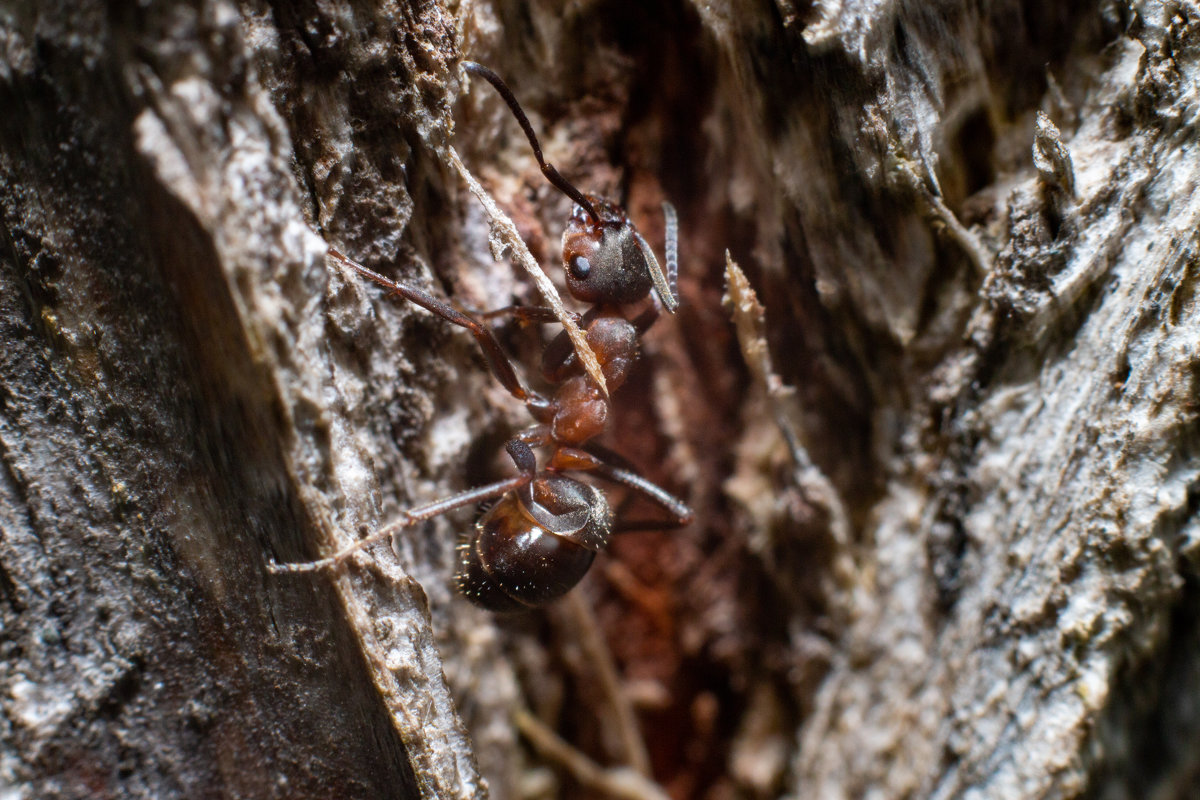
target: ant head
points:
(607, 260)
(603, 256)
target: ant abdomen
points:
(528, 550)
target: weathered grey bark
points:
(958, 558)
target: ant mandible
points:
(539, 538)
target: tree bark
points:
(945, 474)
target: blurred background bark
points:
(947, 547)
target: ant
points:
(539, 538)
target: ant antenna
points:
(552, 175)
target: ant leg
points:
(644, 320)
(665, 284)
(523, 314)
(672, 247)
(661, 286)
(608, 465)
(522, 456)
(681, 514)
(501, 367)
(410, 518)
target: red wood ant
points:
(539, 538)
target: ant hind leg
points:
(413, 516)
(613, 467)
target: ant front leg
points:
(644, 320)
(497, 360)
(671, 246)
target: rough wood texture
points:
(946, 542)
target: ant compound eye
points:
(579, 267)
